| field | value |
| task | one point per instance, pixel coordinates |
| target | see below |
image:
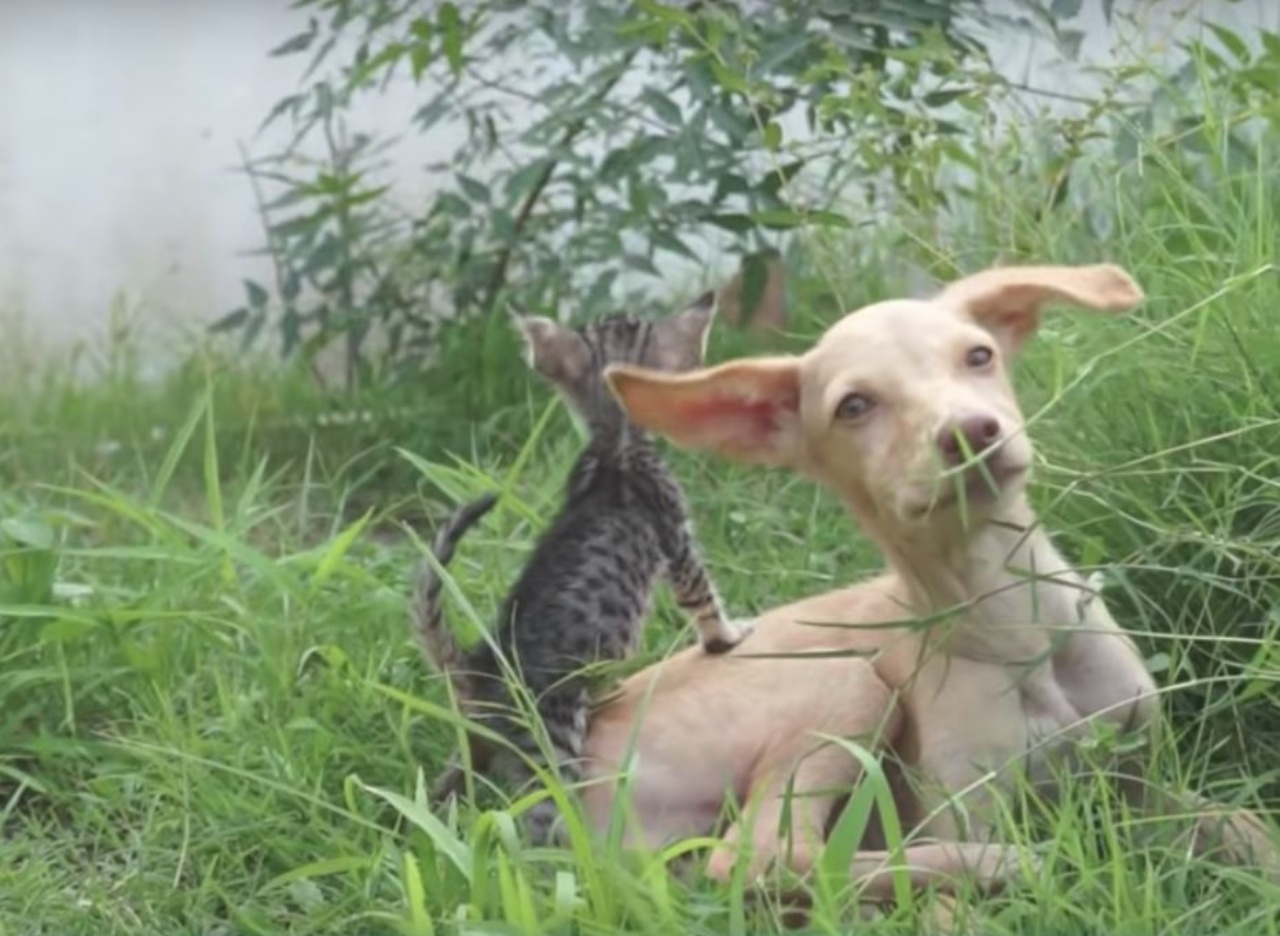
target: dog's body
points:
(980, 653)
(950, 714)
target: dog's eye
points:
(854, 406)
(979, 356)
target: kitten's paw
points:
(728, 636)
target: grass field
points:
(212, 720)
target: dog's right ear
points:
(1007, 300)
(747, 410)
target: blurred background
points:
(126, 129)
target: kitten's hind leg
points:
(564, 716)
(696, 594)
(450, 781)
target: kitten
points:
(585, 593)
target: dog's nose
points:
(978, 433)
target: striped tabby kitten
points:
(585, 593)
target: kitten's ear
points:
(683, 337)
(694, 323)
(557, 353)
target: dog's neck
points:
(999, 591)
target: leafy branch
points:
(618, 135)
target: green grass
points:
(212, 719)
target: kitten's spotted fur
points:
(585, 593)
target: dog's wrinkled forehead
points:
(897, 334)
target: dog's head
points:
(903, 407)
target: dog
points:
(978, 656)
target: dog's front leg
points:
(1234, 835)
(948, 867)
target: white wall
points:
(119, 127)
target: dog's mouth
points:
(977, 485)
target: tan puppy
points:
(979, 653)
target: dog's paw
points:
(727, 636)
(999, 867)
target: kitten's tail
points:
(435, 639)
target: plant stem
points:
(498, 278)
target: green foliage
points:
(599, 138)
(28, 561)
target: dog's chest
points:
(983, 723)
(1102, 675)
(1094, 687)
(983, 719)
(1062, 658)
(1054, 720)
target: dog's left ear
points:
(747, 410)
(1007, 300)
